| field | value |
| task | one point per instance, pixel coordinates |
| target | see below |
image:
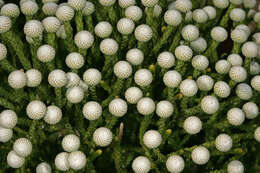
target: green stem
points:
(79, 21)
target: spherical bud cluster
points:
(222, 66)
(45, 53)
(36, 109)
(75, 94)
(200, 155)
(235, 166)
(22, 147)
(237, 15)
(143, 77)
(61, 161)
(57, 78)
(126, 3)
(122, 69)
(235, 116)
(74, 60)
(5, 24)
(164, 109)
(257, 17)
(3, 51)
(70, 143)
(250, 49)
(235, 59)
(73, 79)
(200, 62)
(83, 85)
(200, 16)
(102, 136)
(256, 38)
(77, 4)
(188, 87)
(103, 29)
(92, 76)
(172, 17)
(134, 13)
(29, 8)
(5, 134)
(219, 34)
(192, 125)
(84, 39)
(211, 12)
(209, 104)
(135, 56)
(143, 33)
(64, 13)
(205, 83)
(145, 106)
(133, 95)
(245, 28)
(199, 45)
(17, 79)
(244, 91)
(14, 160)
(117, 107)
(183, 53)
(223, 142)
(125, 26)
(10, 10)
(152, 139)
(108, 46)
(92, 110)
(34, 77)
(33, 28)
(106, 3)
(53, 115)
(221, 3)
(49, 8)
(249, 3)
(172, 79)
(88, 9)
(255, 82)
(251, 110)
(77, 160)
(149, 3)
(257, 134)
(238, 73)
(175, 164)
(222, 89)
(190, 32)
(43, 168)
(166, 60)
(183, 5)
(254, 68)
(141, 164)
(239, 35)
(51, 24)
(8, 119)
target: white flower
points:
(256, 38)
(117, 107)
(88, 9)
(245, 28)
(14, 161)
(108, 46)
(221, 3)
(73, 79)
(10, 10)
(152, 139)
(75, 94)
(200, 16)
(254, 68)
(133, 95)
(77, 4)
(92, 110)
(134, 12)
(172, 17)
(3, 51)
(172, 79)
(125, 26)
(222, 89)
(175, 164)
(255, 82)
(102, 136)
(53, 115)
(238, 73)
(141, 164)
(239, 35)
(64, 13)
(143, 33)
(49, 8)
(61, 161)
(222, 66)
(145, 106)
(149, 3)
(257, 134)
(209, 104)
(205, 83)
(235, 166)
(249, 49)
(199, 45)
(84, 39)
(103, 29)
(77, 160)
(249, 3)
(219, 34)
(36, 110)
(143, 77)
(237, 14)
(223, 142)
(244, 91)
(33, 28)
(92, 76)
(5, 134)
(74, 60)
(22, 147)
(34, 77)
(45, 53)
(126, 3)
(43, 168)
(166, 59)
(183, 53)
(164, 109)
(190, 32)
(51, 24)
(211, 12)
(236, 2)
(235, 116)
(70, 143)
(235, 59)
(29, 8)
(17, 79)
(122, 69)
(251, 110)
(188, 87)
(200, 62)
(5, 24)
(192, 125)
(200, 155)
(8, 119)
(57, 78)
(183, 5)
(135, 56)
(106, 3)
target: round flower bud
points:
(92, 76)
(33, 28)
(205, 83)
(199, 45)
(106, 3)
(255, 82)
(250, 49)
(103, 29)
(51, 24)
(188, 87)
(135, 56)
(166, 59)
(200, 62)
(192, 125)
(175, 164)
(108, 46)
(222, 66)
(235, 59)
(237, 15)
(83, 85)
(43, 168)
(256, 38)
(235, 116)
(45, 53)
(183, 5)
(145, 106)
(200, 155)
(117, 107)
(29, 8)
(36, 109)
(75, 94)
(5, 24)
(61, 161)
(251, 110)
(222, 89)
(172, 17)
(244, 91)
(126, 3)
(190, 32)
(64, 13)
(141, 164)
(223, 142)
(254, 68)
(5, 134)
(238, 73)
(249, 3)
(49, 8)
(183, 53)
(164, 109)
(77, 160)
(70, 143)
(77, 4)
(74, 60)
(134, 13)
(17, 79)
(257, 17)
(14, 161)
(22, 147)
(88, 9)
(10, 10)
(239, 35)
(149, 3)
(209, 104)
(143, 33)
(219, 34)
(143, 77)
(245, 28)
(84, 39)
(172, 79)
(257, 134)
(152, 139)
(53, 115)
(34, 77)
(92, 110)
(211, 12)
(122, 69)
(133, 95)
(236, 2)
(73, 79)
(235, 166)
(125, 26)
(102, 136)
(57, 78)
(8, 119)
(3, 51)
(221, 3)
(157, 10)
(200, 16)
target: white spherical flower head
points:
(200, 155)
(51, 24)
(254, 68)
(122, 69)
(172, 17)
(200, 62)
(141, 164)
(45, 53)
(236, 2)
(238, 73)
(190, 32)
(205, 83)
(125, 26)
(17, 79)
(117, 107)
(102, 136)
(200, 16)
(53, 115)
(3, 51)
(143, 77)
(57, 78)
(235, 59)
(149, 3)
(199, 45)
(239, 35)
(244, 91)
(14, 161)
(61, 161)
(92, 76)
(36, 110)
(70, 143)
(33, 28)
(108, 46)
(164, 109)
(222, 66)
(10, 10)
(222, 4)
(166, 60)
(143, 33)
(77, 4)
(152, 139)
(256, 17)
(135, 56)
(188, 87)
(29, 8)
(103, 29)
(255, 82)
(222, 89)
(88, 9)
(219, 34)
(249, 3)
(223, 142)
(192, 125)
(43, 168)
(64, 13)
(183, 53)
(134, 13)
(175, 164)
(257, 134)
(237, 15)
(5, 24)
(209, 104)
(235, 116)
(235, 166)
(172, 79)
(133, 95)
(75, 94)
(92, 110)
(245, 28)
(126, 3)
(22, 147)
(211, 12)
(74, 60)
(84, 39)
(183, 5)
(73, 79)
(250, 49)
(8, 119)
(34, 77)
(5, 134)
(107, 3)
(77, 160)
(49, 8)
(145, 106)
(256, 38)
